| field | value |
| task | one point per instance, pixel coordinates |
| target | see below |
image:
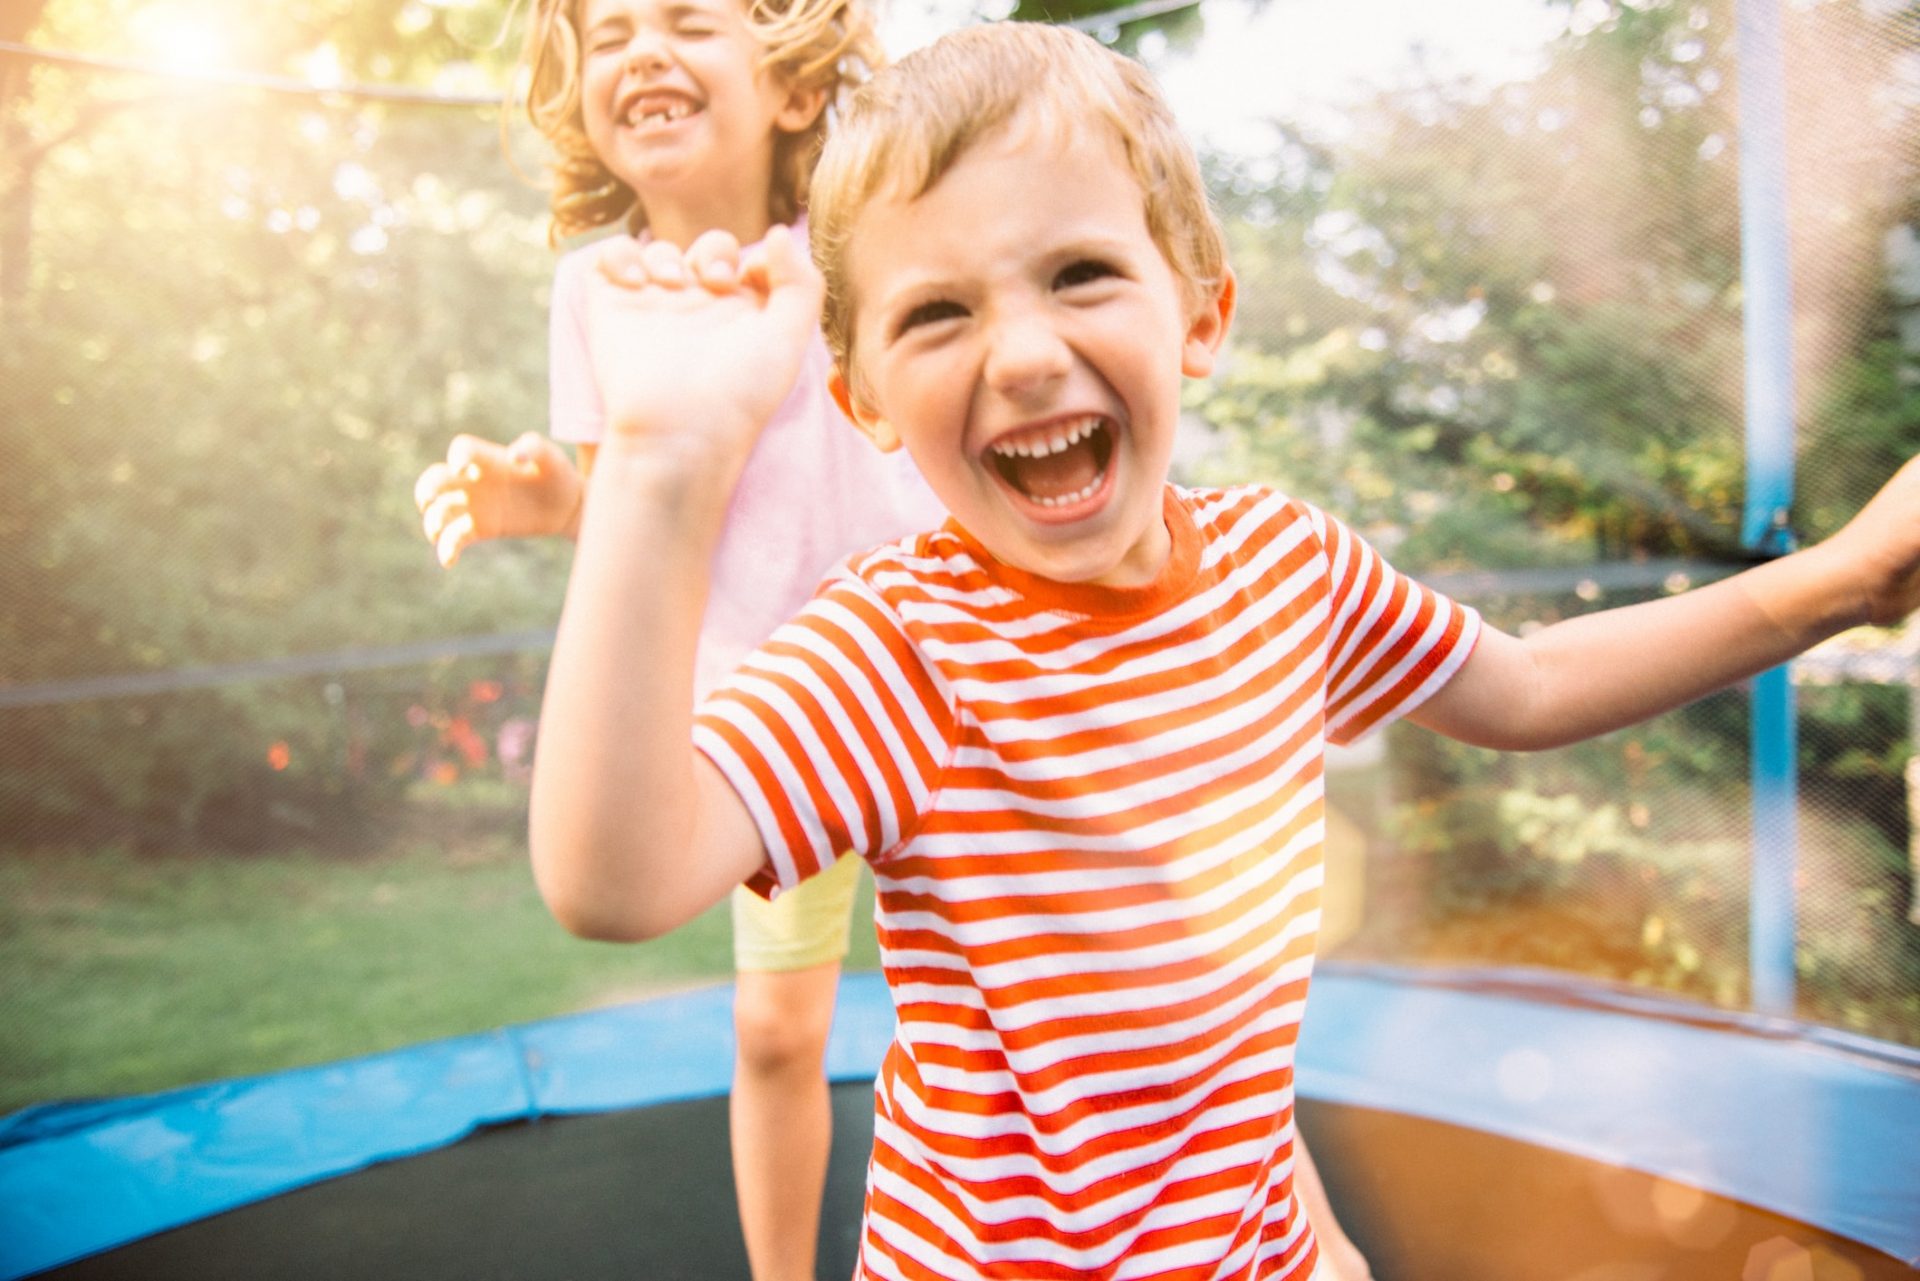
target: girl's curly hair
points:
(829, 44)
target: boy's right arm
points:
(632, 831)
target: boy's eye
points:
(1082, 272)
(928, 313)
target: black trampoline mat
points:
(1428, 1201)
(639, 1195)
(647, 1195)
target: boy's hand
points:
(695, 351)
(1881, 545)
(484, 490)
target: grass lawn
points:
(122, 975)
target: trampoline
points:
(1556, 1130)
(1480, 1126)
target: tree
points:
(245, 321)
(1501, 328)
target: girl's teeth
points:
(665, 115)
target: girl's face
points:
(675, 105)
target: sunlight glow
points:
(1311, 60)
(179, 41)
(322, 68)
(1305, 60)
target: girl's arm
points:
(1603, 671)
(484, 490)
(632, 832)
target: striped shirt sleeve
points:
(834, 734)
(1392, 641)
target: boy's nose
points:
(1026, 356)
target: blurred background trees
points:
(1502, 329)
(237, 325)
(1495, 326)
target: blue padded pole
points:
(1775, 839)
(1765, 529)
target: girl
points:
(670, 118)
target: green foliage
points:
(1489, 328)
(1623, 860)
(1504, 347)
(1503, 329)
(246, 323)
(1867, 425)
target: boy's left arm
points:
(1603, 671)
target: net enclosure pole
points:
(1766, 528)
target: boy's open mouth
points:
(1057, 465)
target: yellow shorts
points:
(800, 929)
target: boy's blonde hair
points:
(912, 122)
(810, 44)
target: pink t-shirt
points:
(814, 490)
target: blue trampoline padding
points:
(1823, 1136)
(191, 1153)
(78, 1178)
(1785, 1123)
(681, 1047)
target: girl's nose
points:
(646, 51)
(1026, 356)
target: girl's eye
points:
(1085, 271)
(929, 313)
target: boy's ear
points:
(802, 107)
(871, 425)
(1208, 330)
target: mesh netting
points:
(1496, 326)
(1501, 329)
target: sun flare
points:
(179, 41)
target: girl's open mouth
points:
(1059, 466)
(657, 110)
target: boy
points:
(1078, 731)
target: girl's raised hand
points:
(485, 490)
(694, 351)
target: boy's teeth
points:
(1076, 432)
(1059, 465)
(1078, 496)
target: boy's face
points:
(1019, 331)
(674, 101)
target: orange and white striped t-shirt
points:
(1095, 817)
